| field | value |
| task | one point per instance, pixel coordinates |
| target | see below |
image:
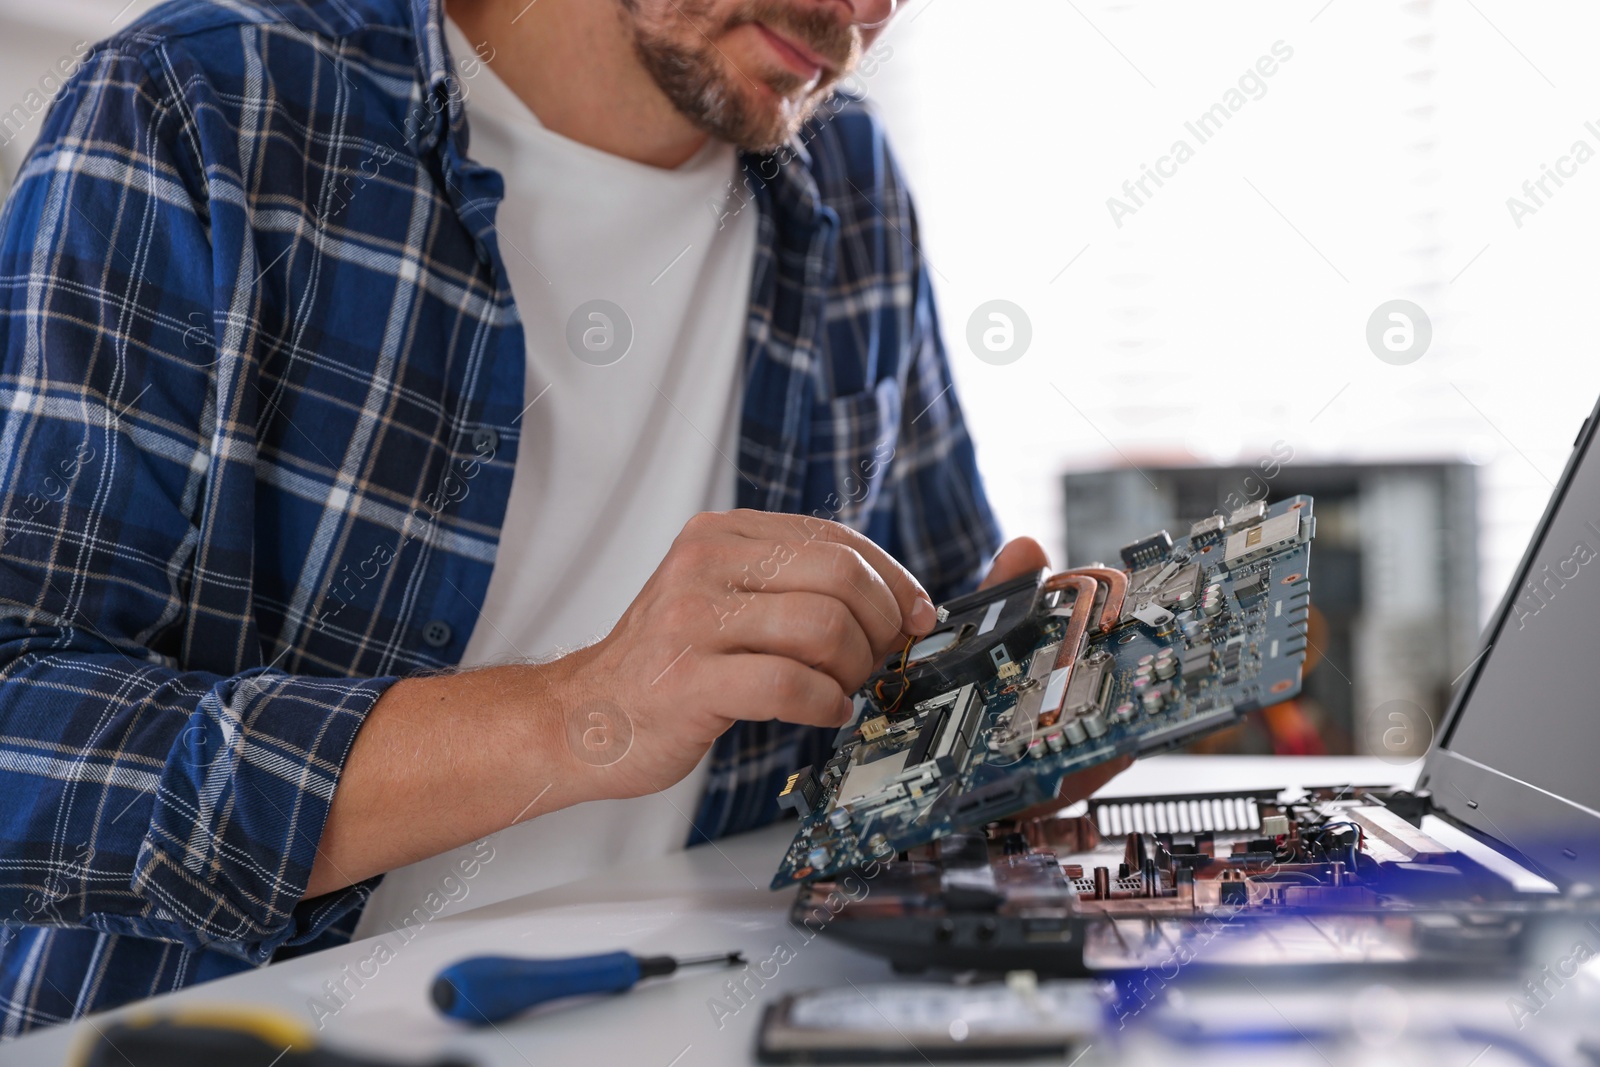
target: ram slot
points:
(932, 727)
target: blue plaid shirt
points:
(261, 379)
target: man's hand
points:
(751, 615)
(1020, 556)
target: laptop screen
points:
(1535, 707)
(1518, 755)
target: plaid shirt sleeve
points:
(140, 794)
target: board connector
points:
(800, 793)
(1148, 550)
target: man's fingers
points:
(837, 571)
(812, 629)
(755, 686)
(915, 607)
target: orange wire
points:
(905, 684)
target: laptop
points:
(1490, 861)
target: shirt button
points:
(436, 633)
(485, 439)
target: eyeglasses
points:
(871, 14)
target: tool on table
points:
(922, 1022)
(486, 989)
(238, 1037)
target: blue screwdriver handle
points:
(486, 989)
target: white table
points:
(708, 899)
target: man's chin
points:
(771, 120)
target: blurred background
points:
(1203, 341)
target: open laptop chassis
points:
(1336, 876)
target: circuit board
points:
(1027, 682)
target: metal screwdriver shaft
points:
(656, 966)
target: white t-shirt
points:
(616, 453)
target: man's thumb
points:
(1019, 556)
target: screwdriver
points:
(206, 1034)
(486, 989)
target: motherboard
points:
(1027, 682)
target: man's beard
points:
(730, 104)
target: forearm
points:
(444, 760)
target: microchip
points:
(1197, 660)
(1249, 584)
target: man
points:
(307, 401)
